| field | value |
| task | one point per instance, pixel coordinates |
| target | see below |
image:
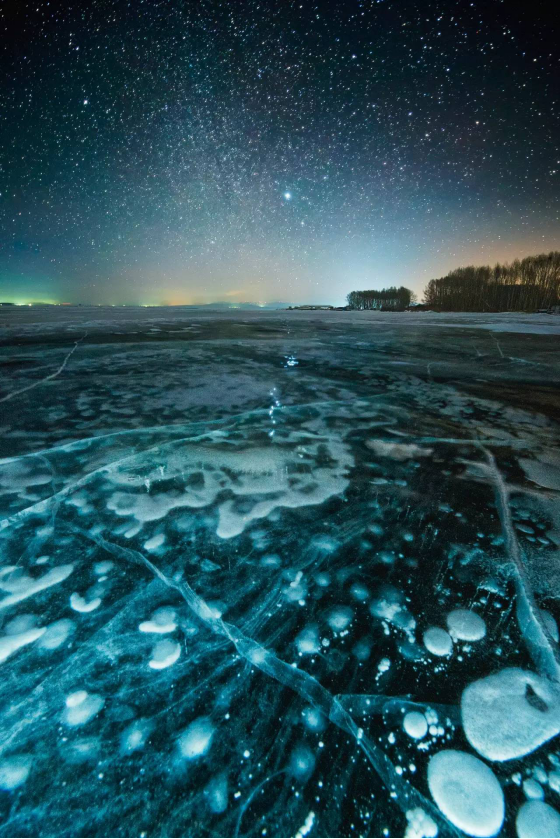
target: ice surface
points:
(246, 597)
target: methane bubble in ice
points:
(302, 762)
(535, 818)
(162, 621)
(419, 824)
(510, 714)
(467, 792)
(134, 737)
(437, 641)
(339, 618)
(195, 740)
(465, 625)
(56, 634)
(80, 604)
(216, 793)
(308, 641)
(14, 771)
(164, 654)
(81, 707)
(415, 724)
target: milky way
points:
(292, 151)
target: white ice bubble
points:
(510, 714)
(302, 762)
(419, 824)
(162, 621)
(84, 750)
(155, 542)
(415, 724)
(196, 739)
(467, 792)
(103, 567)
(80, 604)
(437, 641)
(135, 735)
(216, 793)
(537, 819)
(19, 624)
(313, 719)
(532, 788)
(308, 641)
(339, 618)
(81, 707)
(465, 625)
(14, 771)
(10, 643)
(56, 634)
(390, 605)
(21, 587)
(164, 654)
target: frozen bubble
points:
(554, 780)
(419, 824)
(466, 625)
(216, 793)
(437, 641)
(467, 792)
(535, 818)
(81, 707)
(313, 719)
(390, 606)
(21, 587)
(307, 641)
(56, 634)
(155, 542)
(359, 592)
(135, 735)
(415, 725)
(362, 650)
(10, 643)
(163, 621)
(509, 714)
(339, 618)
(302, 762)
(80, 604)
(19, 624)
(532, 789)
(164, 654)
(195, 740)
(14, 771)
(80, 751)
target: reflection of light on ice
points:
(291, 361)
(275, 404)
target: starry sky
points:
(192, 151)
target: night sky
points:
(183, 152)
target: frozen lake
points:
(279, 573)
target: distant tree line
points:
(525, 284)
(394, 299)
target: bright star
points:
(287, 195)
